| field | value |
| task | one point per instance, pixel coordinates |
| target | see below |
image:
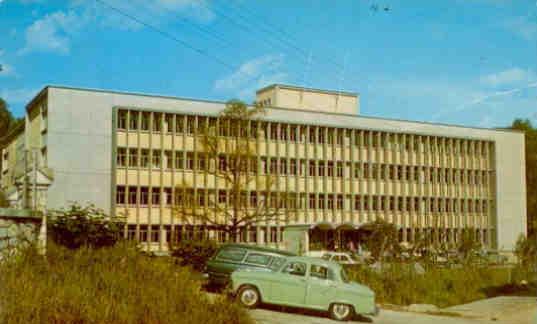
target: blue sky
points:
(469, 62)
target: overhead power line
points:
(167, 35)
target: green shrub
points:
(79, 226)
(526, 251)
(399, 284)
(107, 285)
(194, 253)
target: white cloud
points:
(258, 71)
(522, 27)
(7, 70)
(508, 77)
(51, 33)
(22, 95)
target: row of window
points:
(180, 160)
(271, 234)
(189, 232)
(181, 124)
(144, 196)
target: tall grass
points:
(399, 284)
(109, 285)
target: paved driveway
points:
(515, 310)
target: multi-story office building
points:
(127, 153)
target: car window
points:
(276, 263)
(257, 258)
(232, 254)
(336, 258)
(344, 276)
(345, 258)
(318, 271)
(295, 268)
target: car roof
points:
(314, 260)
(258, 248)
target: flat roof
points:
(298, 88)
(270, 108)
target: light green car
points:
(305, 282)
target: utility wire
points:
(167, 35)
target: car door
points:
(321, 288)
(289, 285)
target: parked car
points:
(306, 283)
(341, 258)
(230, 257)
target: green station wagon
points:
(306, 283)
(231, 257)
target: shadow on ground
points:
(529, 290)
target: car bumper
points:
(375, 312)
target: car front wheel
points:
(249, 296)
(341, 312)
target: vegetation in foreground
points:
(107, 285)
(401, 284)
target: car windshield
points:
(344, 276)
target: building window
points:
(312, 201)
(339, 169)
(156, 159)
(121, 157)
(190, 125)
(179, 160)
(190, 161)
(155, 234)
(155, 196)
(179, 124)
(169, 159)
(253, 199)
(120, 195)
(312, 168)
(283, 166)
(320, 169)
(144, 158)
(168, 198)
(339, 202)
(357, 203)
(202, 161)
(133, 120)
(292, 167)
(330, 169)
(144, 196)
(122, 120)
(133, 157)
(145, 121)
(357, 171)
(169, 123)
(157, 122)
(132, 196)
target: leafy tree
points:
(79, 226)
(231, 153)
(526, 250)
(468, 244)
(531, 170)
(6, 118)
(382, 239)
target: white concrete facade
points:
(77, 144)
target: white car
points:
(340, 257)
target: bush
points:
(526, 251)
(108, 285)
(195, 253)
(399, 284)
(80, 226)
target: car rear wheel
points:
(249, 296)
(341, 312)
